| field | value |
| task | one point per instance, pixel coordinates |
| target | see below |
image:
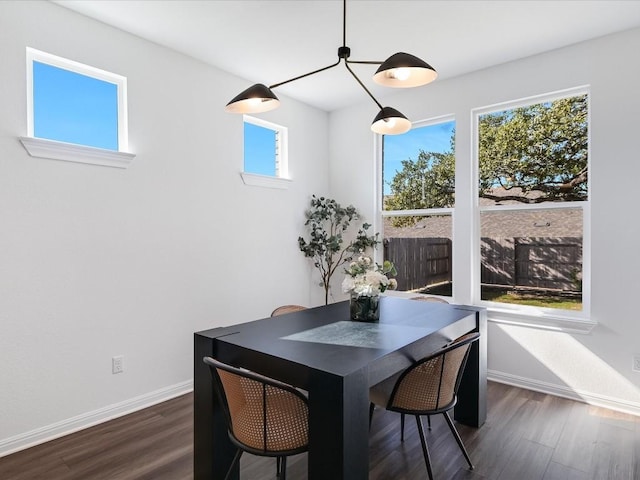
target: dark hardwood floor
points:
(527, 436)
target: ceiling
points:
(270, 41)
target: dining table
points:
(335, 360)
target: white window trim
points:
(70, 152)
(418, 213)
(56, 150)
(282, 179)
(544, 318)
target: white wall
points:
(595, 366)
(98, 261)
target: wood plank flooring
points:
(527, 436)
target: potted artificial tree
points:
(328, 223)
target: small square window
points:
(74, 108)
(75, 112)
(265, 148)
(75, 103)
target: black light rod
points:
(364, 62)
(344, 23)
(362, 85)
(305, 75)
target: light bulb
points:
(399, 73)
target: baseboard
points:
(65, 427)
(590, 398)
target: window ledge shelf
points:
(544, 321)
(265, 181)
(43, 148)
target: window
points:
(533, 204)
(75, 112)
(265, 153)
(418, 196)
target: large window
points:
(533, 203)
(75, 109)
(418, 195)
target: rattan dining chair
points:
(287, 309)
(428, 387)
(429, 299)
(264, 416)
(421, 298)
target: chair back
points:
(264, 416)
(429, 299)
(287, 309)
(431, 384)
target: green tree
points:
(328, 222)
(537, 148)
(427, 182)
(536, 153)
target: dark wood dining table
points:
(336, 361)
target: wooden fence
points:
(419, 261)
(535, 262)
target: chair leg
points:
(425, 450)
(429, 422)
(283, 468)
(402, 427)
(458, 439)
(236, 459)
(277, 467)
(372, 407)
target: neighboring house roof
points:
(499, 224)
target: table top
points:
(325, 339)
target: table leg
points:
(209, 427)
(471, 408)
(339, 427)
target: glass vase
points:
(364, 308)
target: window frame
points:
(58, 150)
(548, 318)
(426, 212)
(281, 179)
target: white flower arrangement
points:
(367, 279)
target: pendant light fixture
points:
(400, 70)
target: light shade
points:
(390, 121)
(403, 70)
(255, 99)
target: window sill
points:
(544, 321)
(255, 180)
(42, 148)
(531, 318)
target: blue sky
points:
(430, 138)
(74, 108)
(259, 150)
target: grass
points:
(543, 299)
(546, 300)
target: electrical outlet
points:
(117, 364)
(636, 363)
